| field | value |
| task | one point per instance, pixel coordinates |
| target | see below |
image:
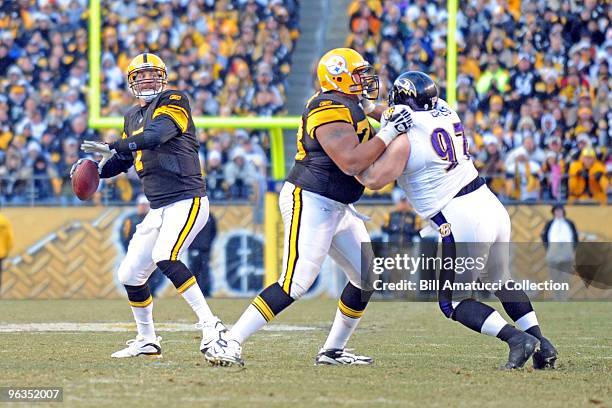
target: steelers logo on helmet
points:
(345, 70)
(336, 65)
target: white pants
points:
(314, 227)
(479, 226)
(163, 235)
(478, 217)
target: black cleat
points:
(522, 346)
(546, 356)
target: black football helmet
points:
(415, 89)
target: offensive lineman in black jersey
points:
(335, 142)
(159, 140)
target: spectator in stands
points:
(264, 97)
(587, 178)
(214, 176)
(240, 175)
(552, 174)
(491, 166)
(522, 177)
(15, 178)
(213, 49)
(79, 130)
(46, 181)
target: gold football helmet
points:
(147, 76)
(344, 70)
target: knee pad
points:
(180, 276)
(271, 301)
(353, 301)
(139, 296)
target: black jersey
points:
(314, 170)
(171, 171)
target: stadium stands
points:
(231, 56)
(533, 84)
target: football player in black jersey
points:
(159, 140)
(334, 143)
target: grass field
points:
(421, 359)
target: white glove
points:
(367, 105)
(394, 121)
(101, 148)
(74, 166)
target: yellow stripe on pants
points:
(293, 239)
(193, 214)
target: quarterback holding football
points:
(159, 140)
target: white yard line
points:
(123, 327)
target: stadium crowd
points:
(232, 57)
(533, 85)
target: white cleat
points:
(224, 353)
(341, 357)
(140, 347)
(211, 332)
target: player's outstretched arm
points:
(159, 131)
(387, 167)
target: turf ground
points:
(421, 359)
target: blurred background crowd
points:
(533, 86)
(232, 57)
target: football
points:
(85, 180)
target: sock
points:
(186, 284)
(251, 321)
(270, 302)
(194, 297)
(493, 324)
(351, 306)
(479, 317)
(141, 302)
(518, 306)
(144, 321)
